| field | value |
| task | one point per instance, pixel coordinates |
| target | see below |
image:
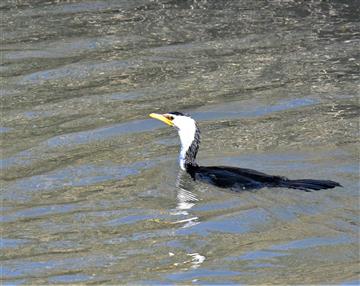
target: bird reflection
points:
(196, 259)
(185, 201)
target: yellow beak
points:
(161, 118)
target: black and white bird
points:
(222, 176)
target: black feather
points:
(191, 153)
(247, 179)
(177, 113)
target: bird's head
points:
(176, 119)
(189, 134)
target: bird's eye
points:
(169, 117)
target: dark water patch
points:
(5, 129)
(71, 140)
(28, 268)
(76, 71)
(287, 161)
(38, 212)
(70, 278)
(131, 219)
(126, 95)
(350, 282)
(36, 114)
(313, 242)
(246, 221)
(12, 242)
(102, 133)
(38, 8)
(21, 158)
(203, 273)
(260, 255)
(233, 110)
(223, 205)
(67, 47)
(83, 175)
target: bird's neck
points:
(190, 141)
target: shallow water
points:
(91, 190)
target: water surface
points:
(91, 190)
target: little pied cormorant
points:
(222, 176)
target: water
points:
(91, 189)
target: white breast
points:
(186, 128)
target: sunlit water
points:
(91, 189)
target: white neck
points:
(186, 138)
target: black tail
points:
(309, 185)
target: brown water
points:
(91, 189)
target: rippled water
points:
(91, 189)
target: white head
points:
(189, 135)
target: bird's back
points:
(232, 177)
(242, 179)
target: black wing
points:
(240, 179)
(232, 177)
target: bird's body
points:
(238, 179)
(222, 176)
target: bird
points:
(233, 178)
